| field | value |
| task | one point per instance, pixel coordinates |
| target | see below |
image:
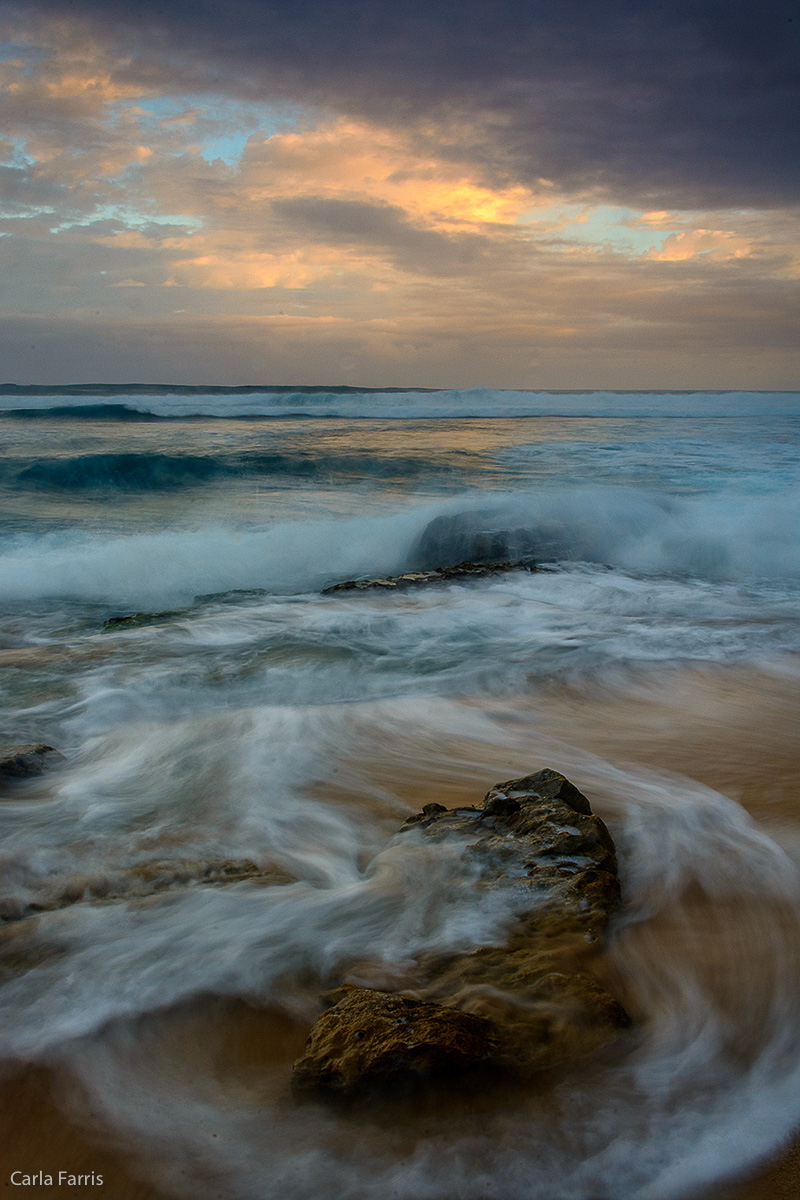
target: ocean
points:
(653, 660)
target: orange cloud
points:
(413, 252)
(98, 86)
(717, 244)
(236, 269)
(351, 159)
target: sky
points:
(485, 193)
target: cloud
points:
(551, 345)
(666, 105)
(720, 244)
(413, 221)
(387, 229)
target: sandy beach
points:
(732, 730)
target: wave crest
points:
(397, 404)
(724, 537)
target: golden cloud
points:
(717, 244)
(404, 242)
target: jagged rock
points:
(33, 758)
(538, 838)
(538, 833)
(454, 574)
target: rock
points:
(33, 758)
(370, 1040)
(538, 833)
(233, 595)
(137, 883)
(537, 838)
(483, 537)
(133, 620)
(455, 574)
(545, 784)
(137, 619)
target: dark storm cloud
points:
(681, 104)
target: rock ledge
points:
(411, 579)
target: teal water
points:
(240, 725)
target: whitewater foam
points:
(297, 729)
(691, 1100)
(725, 536)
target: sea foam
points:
(723, 536)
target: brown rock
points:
(539, 833)
(546, 784)
(370, 1040)
(537, 1001)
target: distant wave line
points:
(390, 404)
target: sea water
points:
(653, 659)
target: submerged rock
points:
(136, 883)
(29, 939)
(536, 1003)
(232, 595)
(133, 620)
(33, 758)
(483, 537)
(455, 574)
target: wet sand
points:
(779, 1181)
(48, 1125)
(39, 1136)
(735, 731)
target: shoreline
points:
(733, 730)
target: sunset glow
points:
(135, 194)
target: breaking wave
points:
(87, 412)
(727, 537)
